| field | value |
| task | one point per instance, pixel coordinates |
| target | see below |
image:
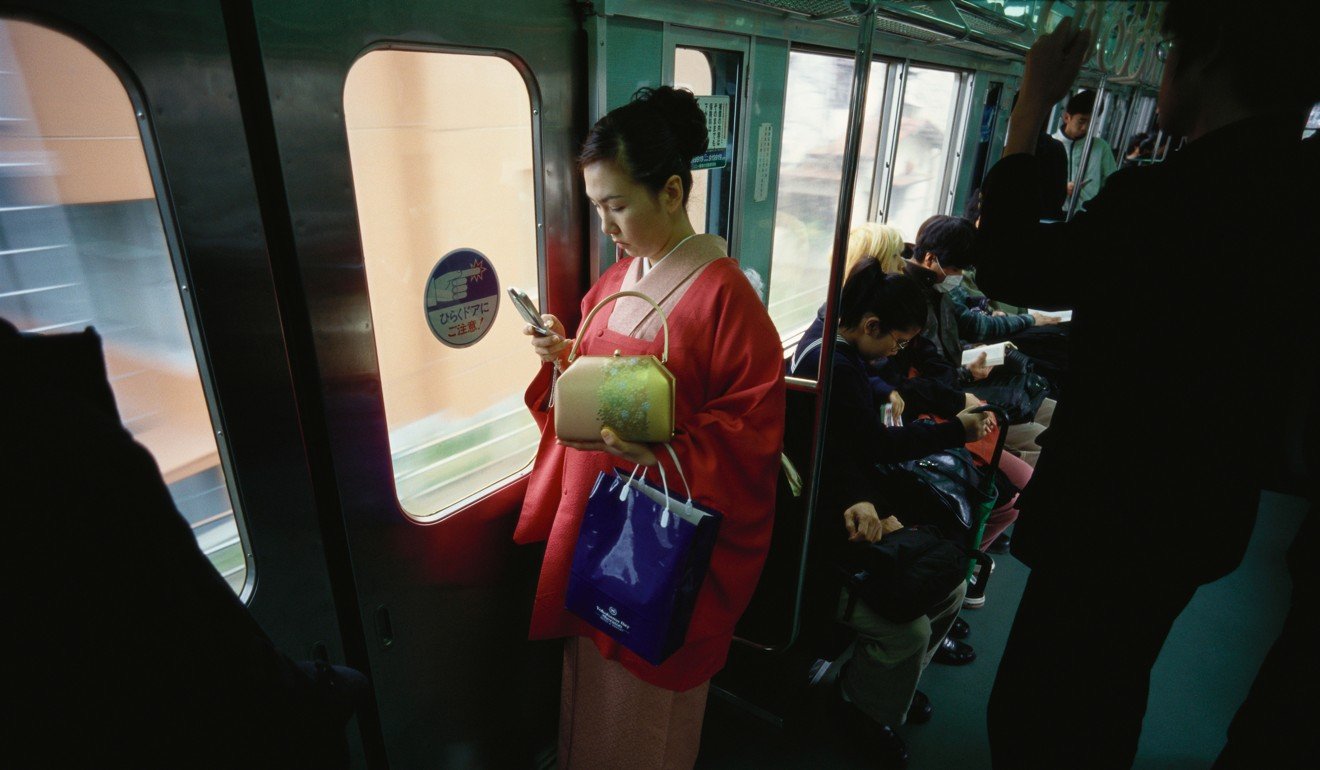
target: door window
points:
(441, 146)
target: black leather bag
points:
(942, 489)
(905, 574)
(1019, 395)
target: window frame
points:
(173, 237)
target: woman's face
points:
(637, 219)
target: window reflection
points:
(810, 173)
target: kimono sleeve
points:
(730, 446)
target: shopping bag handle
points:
(582, 330)
(664, 482)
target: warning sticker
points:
(462, 297)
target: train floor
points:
(1201, 677)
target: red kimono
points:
(728, 362)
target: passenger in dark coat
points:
(130, 644)
(1176, 508)
(1053, 161)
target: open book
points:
(994, 354)
(1064, 316)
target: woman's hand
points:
(1041, 319)
(970, 401)
(548, 347)
(863, 523)
(896, 403)
(976, 425)
(632, 451)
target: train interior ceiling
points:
(248, 201)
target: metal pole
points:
(1076, 196)
(851, 147)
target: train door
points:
(421, 159)
(127, 204)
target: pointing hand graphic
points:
(453, 285)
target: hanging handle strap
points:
(681, 475)
(640, 473)
(582, 331)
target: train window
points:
(692, 70)
(989, 119)
(810, 170)
(1312, 122)
(1113, 121)
(925, 136)
(866, 196)
(83, 243)
(712, 72)
(441, 146)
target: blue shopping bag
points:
(639, 562)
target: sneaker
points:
(976, 599)
(817, 671)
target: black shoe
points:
(1001, 544)
(890, 750)
(954, 653)
(960, 629)
(878, 741)
(920, 711)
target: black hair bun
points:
(677, 107)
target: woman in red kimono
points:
(618, 710)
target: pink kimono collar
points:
(666, 283)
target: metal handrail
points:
(847, 186)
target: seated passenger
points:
(979, 322)
(916, 378)
(879, 315)
(942, 253)
(133, 644)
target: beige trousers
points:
(611, 720)
(888, 657)
(1021, 439)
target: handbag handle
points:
(964, 483)
(582, 331)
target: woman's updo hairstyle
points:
(894, 299)
(651, 138)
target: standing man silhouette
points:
(1181, 504)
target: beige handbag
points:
(634, 395)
